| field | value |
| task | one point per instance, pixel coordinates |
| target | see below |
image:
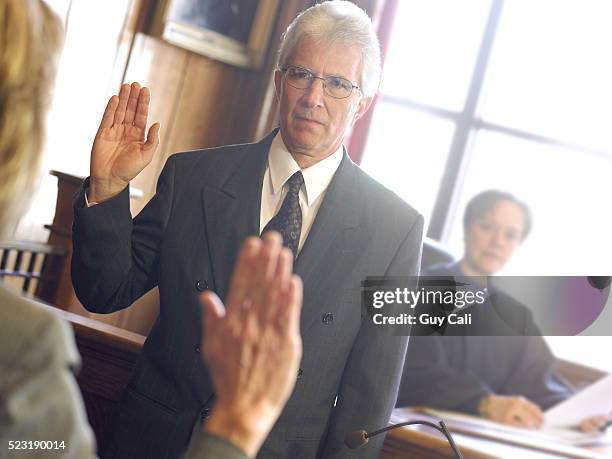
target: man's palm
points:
(120, 151)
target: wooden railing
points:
(108, 356)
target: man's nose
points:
(313, 96)
(498, 238)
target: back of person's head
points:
(485, 201)
(31, 36)
(337, 22)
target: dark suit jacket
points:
(186, 239)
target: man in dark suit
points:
(341, 226)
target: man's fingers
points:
(130, 111)
(109, 113)
(152, 139)
(241, 282)
(284, 268)
(142, 108)
(291, 306)
(212, 310)
(273, 243)
(124, 95)
(278, 286)
(266, 267)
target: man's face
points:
(492, 239)
(313, 123)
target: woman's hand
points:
(595, 423)
(511, 410)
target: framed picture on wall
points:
(231, 31)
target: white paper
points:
(567, 436)
(594, 400)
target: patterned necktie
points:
(288, 220)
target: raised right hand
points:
(120, 151)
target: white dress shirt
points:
(281, 166)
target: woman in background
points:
(508, 379)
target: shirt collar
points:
(316, 177)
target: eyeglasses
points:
(335, 86)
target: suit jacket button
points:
(300, 373)
(197, 349)
(327, 318)
(201, 285)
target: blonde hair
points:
(31, 36)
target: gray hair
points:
(337, 21)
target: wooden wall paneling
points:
(255, 95)
(161, 67)
(245, 106)
(124, 46)
(139, 17)
(108, 356)
(60, 235)
(266, 118)
(204, 105)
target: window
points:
(498, 94)
(513, 95)
(424, 86)
(80, 94)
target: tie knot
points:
(295, 182)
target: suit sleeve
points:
(115, 259)
(371, 377)
(429, 379)
(209, 446)
(433, 378)
(535, 376)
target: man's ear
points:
(278, 81)
(362, 108)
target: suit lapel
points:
(337, 216)
(232, 209)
